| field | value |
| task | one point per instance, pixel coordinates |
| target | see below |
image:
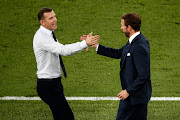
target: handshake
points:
(91, 40)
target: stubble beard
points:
(127, 34)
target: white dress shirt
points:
(47, 53)
(133, 36)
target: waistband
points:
(46, 79)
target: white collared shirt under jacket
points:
(47, 53)
(133, 36)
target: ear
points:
(130, 28)
(41, 22)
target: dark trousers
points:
(127, 111)
(51, 92)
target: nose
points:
(55, 19)
(121, 28)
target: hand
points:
(84, 38)
(92, 40)
(123, 94)
(94, 46)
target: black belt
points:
(52, 79)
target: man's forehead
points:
(49, 14)
(122, 20)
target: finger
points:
(91, 33)
(88, 36)
(95, 38)
(86, 49)
(82, 38)
(97, 35)
(119, 95)
(94, 42)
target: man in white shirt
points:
(48, 52)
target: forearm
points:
(137, 86)
(109, 52)
(64, 50)
(70, 49)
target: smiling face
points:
(49, 20)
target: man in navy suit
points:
(135, 69)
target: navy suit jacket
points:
(135, 68)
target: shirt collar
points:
(45, 30)
(133, 36)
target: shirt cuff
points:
(97, 47)
(83, 44)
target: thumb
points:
(90, 34)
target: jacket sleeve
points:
(110, 52)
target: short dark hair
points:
(42, 11)
(132, 19)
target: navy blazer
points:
(135, 68)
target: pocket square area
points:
(128, 54)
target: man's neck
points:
(132, 33)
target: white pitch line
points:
(89, 98)
(165, 98)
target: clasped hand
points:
(91, 40)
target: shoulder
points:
(41, 35)
(141, 44)
(140, 40)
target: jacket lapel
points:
(127, 50)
